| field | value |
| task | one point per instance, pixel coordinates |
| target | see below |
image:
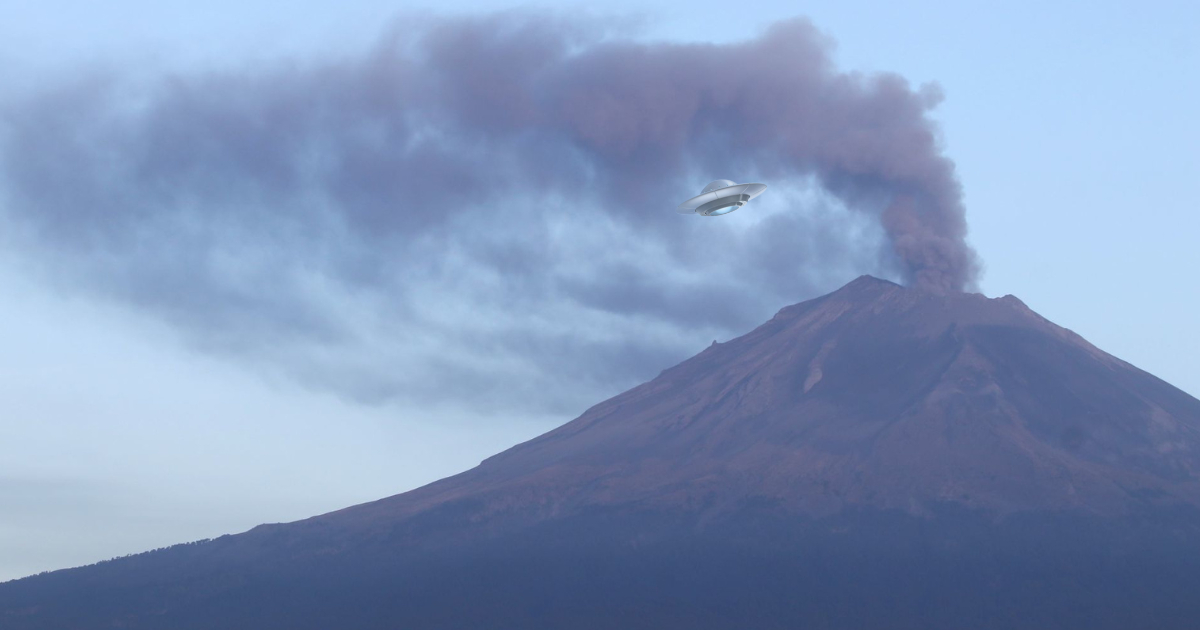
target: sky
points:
(200, 337)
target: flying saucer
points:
(720, 197)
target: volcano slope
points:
(880, 457)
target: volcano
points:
(879, 457)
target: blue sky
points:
(1071, 126)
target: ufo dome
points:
(720, 183)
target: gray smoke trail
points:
(479, 197)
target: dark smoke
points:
(479, 209)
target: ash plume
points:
(479, 209)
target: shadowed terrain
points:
(880, 457)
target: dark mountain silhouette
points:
(880, 457)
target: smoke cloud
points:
(479, 210)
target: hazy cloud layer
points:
(478, 212)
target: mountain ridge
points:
(864, 297)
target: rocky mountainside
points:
(880, 457)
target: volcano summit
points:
(880, 457)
